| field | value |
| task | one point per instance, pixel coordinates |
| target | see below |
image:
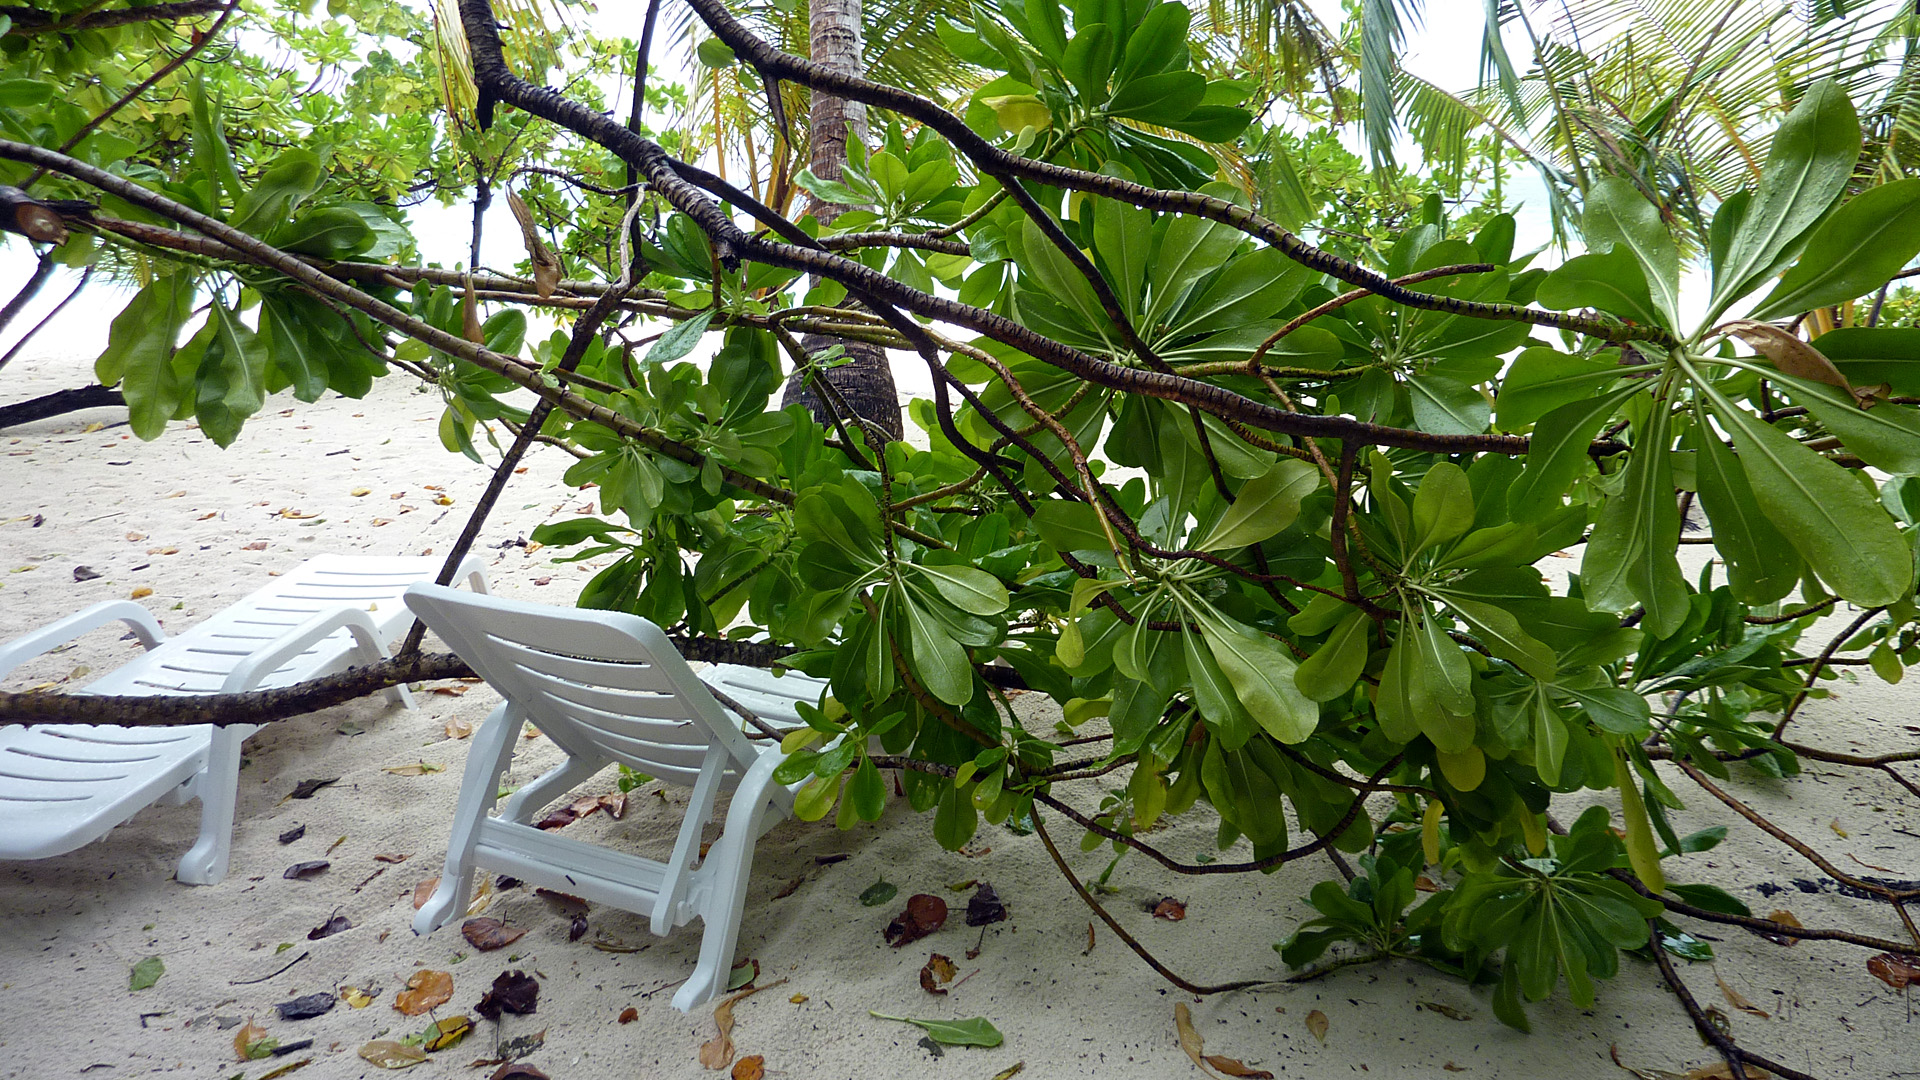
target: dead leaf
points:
(790, 887)
(577, 929)
(490, 934)
(751, 1067)
(293, 834)
(330, 927)
(1231, 1067)
(1010, 1071)
(1451, 1067)
(391, 858)
(1837, 830)
(247, 1042)
(1447, 1011)
(357, 492)
(305, 870)
(1738, 1000)
(717, 1052)
(985, 907)
(629, 1014)
(85, 573)
(389, 1054)
(305, 788)
(1190, 1041)
(925, 913)
(1089, 949)
(615, 804)
(418, 768)
(356, 997)
(1170, 909)
(546, 265)
(457, 728)
(425, 990)
(1317, 1024)
(799, 999)
(307, 1007)
(448, 1032)
(424, 892)
(1895, 970)
(140, 593)
(261, 545)
(513, 991)
(470, 327)
(939, 971)
(1790, 354)
(1784, 918)
(562, 903)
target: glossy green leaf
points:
(1557, 453)
(1845, 536)
(1886, 436)
(866, 791)
(812, 802)
(1446, 406)
(1442, 686)
(1549, 736)
(1089, 60)
(974, 1031)
(1542, 380)
(1618, 215)
(1261, 670)
(967, 588)
(1630, 554)
(1611, 281)
(1812, 156)
(1868, 240)
(139, 354)
(1244, 794)
(1868, 356)
(1219, 705)
(1158, 99)
(939, 660)
(679, 339)
(1264, 507)
(1761, 565)
(1442, 507)
(1336, 665)
(1500, 632)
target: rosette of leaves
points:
(1091, 79)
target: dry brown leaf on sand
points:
(425, 990)
(939, 971)
(457, 728)
(1784, 918)
(1738, 1000)
(717, 1052)
(1317, 1024)
(925, 913)
(1895, 970)
(490, 934)
(1190, 1041)
(1232, 1067)
(1170, 909)
(751, 1067)
(389, 1054)
(246, 1037)
(424, 892)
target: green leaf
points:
(1244, 794)
(1853, 252)
(1088, 61)
(1845, 536)
(1500, 632)
(146, 973)
(1219, 705)
(210, 150)
(1543, 379)
(866, 792)
(1157, 42)
(1443, 686)
(1158, 99)
(1442, 507)
(878, 893)
(1396, 703)
(812, 802)
(974, 1031)
(1123, 238)
(968, 588)
(1192, 248)
(286, 183)
(1264, 508)
(1070, 526)
(139, 353)
(1618, 215)
(1557, 453)
(1611, 281)
(1615, 709)
(1447, 406)
(1549, 736)
(1813, 154)
(1261, 670)
(1336, 665)
(24, 93)
(1761, 566)
(714, 53)
(1868, 356)
(228, 383)
(1886, 436)
(1630, 555)
(680, 339)
(940, 660)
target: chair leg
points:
(730, 861)
(486, 760)
(522, 804)
(218, 786)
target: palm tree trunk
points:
(865, 381)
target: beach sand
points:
(201, 527)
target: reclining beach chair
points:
(606, 688)
(64, 785)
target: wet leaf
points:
(446, 1033)
(985, 907)
(1317, 1024)
(252, 1042)
(925, 913)
(425, 990)
(418, 768)
(751, 1067)
(628, 1015)
(306, 1008)
(388, 1054)
(973, 1031)
(293, 834)
(1895, 970)
(146, 973)
(1170, 909)
(1738, 1000)
(937, 972)
(305, 870)
(878, 893)
(330, 927)
(516, 992)
(490, 934)
(305, 788)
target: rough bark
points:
(865, 380)
(31, 20)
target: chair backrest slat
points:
(599, 683)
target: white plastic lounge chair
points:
(64, 785)
(608, 687)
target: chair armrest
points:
(55, 634)
(265, 660)
(475, 571)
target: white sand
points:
(71, 927)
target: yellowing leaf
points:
(1317, 1024)
(357, 492)
(418, 768)
(425, 990)
(392, 1055)
(140, 592)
